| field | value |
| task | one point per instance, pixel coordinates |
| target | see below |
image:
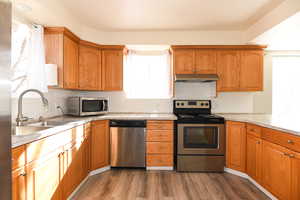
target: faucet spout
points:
(20, 118)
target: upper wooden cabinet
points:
(206, 62)
(228, 67)
(61, 48)
(236, 145)
(112, 69)
(83, 65)
(89, 68)
(239, 67)
(251, 70)
(184, 61)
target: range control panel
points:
(204, 104)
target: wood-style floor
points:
(140, 184)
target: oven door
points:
(91, 106)
(201, 139)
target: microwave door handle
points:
(104, 105)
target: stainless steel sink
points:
(48, 124)
(26, 130)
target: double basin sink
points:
(38, 126)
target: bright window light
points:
(147, 74)
(286, 82)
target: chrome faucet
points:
(20, 118)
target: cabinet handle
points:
(290, 141)
(292, 156)
(286, 154)
(23, 174)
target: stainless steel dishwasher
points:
(127, 138)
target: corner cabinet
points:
(83, 65)
(112, 69)
(62, 49)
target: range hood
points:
(196, 77)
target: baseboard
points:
(78, 187)
(100, 170)
(160, 168)
(243, 175)
(94, 172)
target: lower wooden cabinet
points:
(276, 175)
(100, 144)
(295, 176)
(43, 178)
(236, 145)
(254, 157)
(19, 184)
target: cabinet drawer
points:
(160, 125)
(18, 157)
(160, 147)
(40, 148)
(254, 130)
(159, 135)
(159, 160)
(281, 138)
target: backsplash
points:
(33, 107)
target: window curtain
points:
(28, 58)
(147, 74)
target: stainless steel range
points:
(200, 137)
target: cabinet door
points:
(276, 173)
(100, 144)
(206, 62)
(70, 63)
(254, 153)
(236, 145)
(112, 70)
(184, 61)
(73, 168)
(228, 69)
(87, 151)
(89, 68)
(43, 179)
(19, 184)
(295, 176)
(251, 75)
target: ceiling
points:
(145, 15)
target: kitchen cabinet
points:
(159, 143)
(295, 176)
(254, 157)
(19, 184)
(236, 145)
(87, 149)
(276, 175)
(184, 61)
(112, 69)
(99, 144)
(205, 62)
(251, 72)
(89, 68)
(62, 49)
(43, 179)
(228, 69)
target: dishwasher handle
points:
(128, 123)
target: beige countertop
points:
(71, 122)
(287, 124)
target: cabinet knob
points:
(286, 154)
(290, 141)
(292, 156)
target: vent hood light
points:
(196, 77)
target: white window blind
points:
(147, 75)
(286, 86)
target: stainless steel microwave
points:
(86, 106)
